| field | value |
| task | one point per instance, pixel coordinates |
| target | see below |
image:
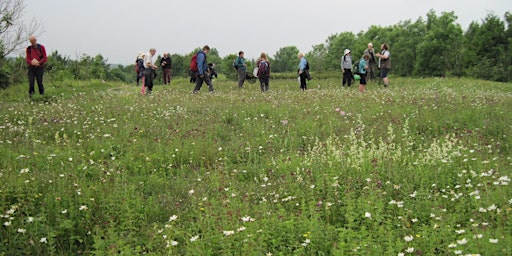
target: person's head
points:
(165, 54)
(263, 56)
(370, 45)
(384, 47)
(241, 53)
(346, 52)
(152, 51)
(33, 40)
(366, 56)
(300, 55)
(206, 49)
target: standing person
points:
(241, 67)
(202, 74)
(149, 71)
(384, 63)
(166, 63)
(139, 67)
(36, 58)
(263, 71)
(346, 67)
(303, 70)
(372, 63)
(363, 71)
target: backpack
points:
(355, 68)
(263, 68)
(193, 63)
(235, 66)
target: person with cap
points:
(166, 63)
(139, 67)
(346, 67)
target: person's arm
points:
(28, 58)
(200, 63)
(43, 52)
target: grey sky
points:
(119, 29)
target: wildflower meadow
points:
(422, 167)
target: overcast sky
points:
(119, 29)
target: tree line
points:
(433, 47)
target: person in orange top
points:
(36, 58)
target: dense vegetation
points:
(94, 168)
(435, 47)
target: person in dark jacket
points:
(139, 67)
(241, 67)
(166, 63)
(35, 58)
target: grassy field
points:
(420, 168)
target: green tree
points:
(285, 59)
(439, 52)
(335, 45)
(487, 49)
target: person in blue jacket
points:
(202, 74)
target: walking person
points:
(346, 67)
(363, 71)
(384, 63)
(202, 74)
(303, 70)
(241, 67)
(372, 63)
(263, 71)
(35, 58)
(149, 71)
(139, 68)
(166, 64)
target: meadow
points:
(422, 167)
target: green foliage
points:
(96, 168)
(285, 59)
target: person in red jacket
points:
(36, 58)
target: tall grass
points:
(422, 167)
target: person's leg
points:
(199, 83)
(266, 80)
(39, 79)
(143, 80)
(208, 82)
(262, 83)
(149, 80)
(303, 84)
(349, 76)
(31, 80)
(241, 77)
(384, 75)
(362, 83)
(344, 78)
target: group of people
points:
(367, 66)
(145, 69)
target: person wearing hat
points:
(346, 67)
(139, 67)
